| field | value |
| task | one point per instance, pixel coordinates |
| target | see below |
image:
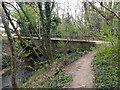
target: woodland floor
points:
(82, 72)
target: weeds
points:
(54, 80)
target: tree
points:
(34, 18)
(13, 59)
(46, 25)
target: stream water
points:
(22, 76)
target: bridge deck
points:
(73, 40)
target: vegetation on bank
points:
(54, 80)
(57, 76)
(106, 67)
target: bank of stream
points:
(23, 74)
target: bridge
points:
(73, 43)
(69, 40)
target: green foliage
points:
(67, 30)
(54, 81)
(106, 67)
(6, 58)
(51, 81)
(109, 33)
(32, 78)
(33, 18)
(54, 23)
(92, 48)
(6, 61)
(72, 56)
(58, 78)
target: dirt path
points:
(81, 71)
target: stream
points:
(21, 76)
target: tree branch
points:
(28, 32)
(53, 5)
(12, 23)
(33, 42)
(28, 19)
(42, 17)
(100, 12)
(13, 59)
(10, 28)
(115, 14)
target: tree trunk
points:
(13, 61)
(48, 27)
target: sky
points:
(73, 7)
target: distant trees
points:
(31, 8)
(67, 29)
(55, 21)
(99, 19)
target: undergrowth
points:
(72, 56)
(55, 80)
(52, 80)
(106, 67)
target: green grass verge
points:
(106, 67)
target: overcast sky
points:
(74, 6)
